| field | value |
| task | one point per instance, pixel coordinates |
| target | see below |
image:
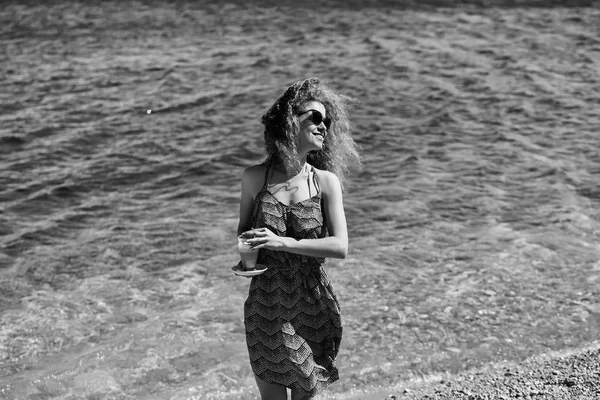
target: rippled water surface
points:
(474, 224)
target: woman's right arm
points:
(249, 191)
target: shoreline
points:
(474, 225)
(560, 375)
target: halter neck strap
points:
(271, 170)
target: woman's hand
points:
(263, 238)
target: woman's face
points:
(311, 136)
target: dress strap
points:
(308, 182)
(315, 181)
(267, 178)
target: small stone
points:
(569, 383)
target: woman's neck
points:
(304, 169)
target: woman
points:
(292, 212)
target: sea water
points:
(473, 223)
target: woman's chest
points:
(302, 219)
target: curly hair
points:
(339, 153)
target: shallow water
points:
(474, 224)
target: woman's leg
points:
(269, 391)
(297, 395)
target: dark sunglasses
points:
(317, 118)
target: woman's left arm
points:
(335, 245)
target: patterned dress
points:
(292, 315)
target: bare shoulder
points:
(255, 171)
(253, 177)
(329, 181)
